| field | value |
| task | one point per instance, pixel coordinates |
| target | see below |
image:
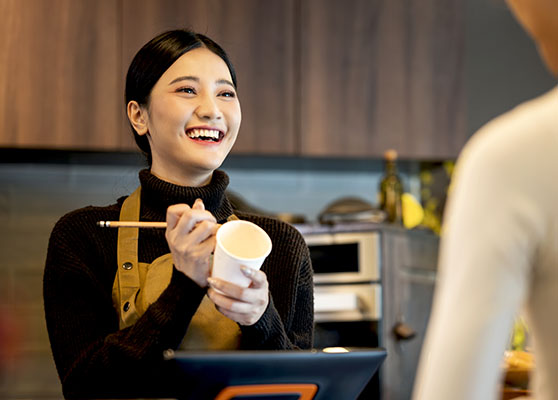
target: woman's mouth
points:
(205, 135)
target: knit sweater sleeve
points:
(93, 357)
(288, 320)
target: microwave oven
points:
(344, 257)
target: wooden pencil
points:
(131, 224)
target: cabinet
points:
(409, 261)
(382, 74)
(59, 77)
(408, 265)
(316, 77)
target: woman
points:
(499, 250)
(185, 115)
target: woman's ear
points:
(138, 117)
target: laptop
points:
(338, 374)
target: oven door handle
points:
(336, 302)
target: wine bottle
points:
(391, 189)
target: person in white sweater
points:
(499, 247)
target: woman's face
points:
(192, 119)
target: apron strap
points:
(127, 280)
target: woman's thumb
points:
(198, 205)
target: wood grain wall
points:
(385, 74)
(59, 75)
(316, 77)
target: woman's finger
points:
(258, 278)
(198, 204)
(225, 303)
(188, 218)
(174, 213)
(202, 231)
(243, 313)
(229, 289)
(227, 293)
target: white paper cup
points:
(239, 243)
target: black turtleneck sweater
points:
(96, 359)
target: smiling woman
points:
(194, 98)
(186, 111)
(116, 300)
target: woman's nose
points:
(208, 108)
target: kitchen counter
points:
(316, 228)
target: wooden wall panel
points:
(316, 77)
(382, 74)
(257, 35)
(59, 74)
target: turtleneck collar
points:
(157, 195)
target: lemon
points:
(413, 213)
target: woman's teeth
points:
(204, 134)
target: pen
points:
(131, 224)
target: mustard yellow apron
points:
(138, 285)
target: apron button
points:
(126, 306)
(127, 266)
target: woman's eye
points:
(187, 90)
(228, 94)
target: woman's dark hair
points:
(154, 58)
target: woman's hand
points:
(243, 305)
(191, 237)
